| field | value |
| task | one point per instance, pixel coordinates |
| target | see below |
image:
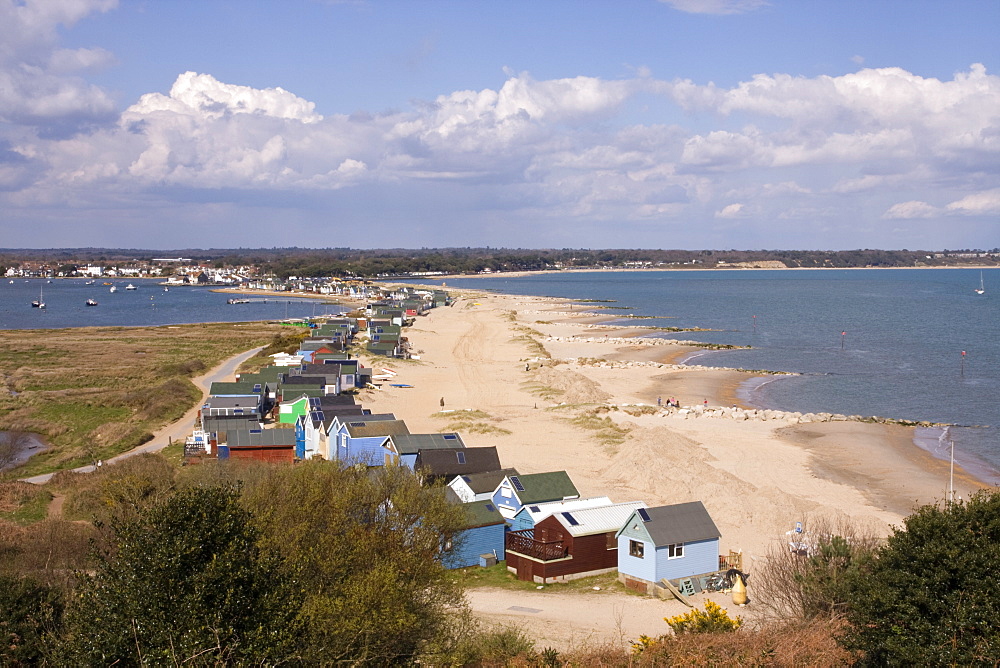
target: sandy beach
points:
(507, 356)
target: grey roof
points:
(480, 483)
(236, 438)
(310, 380)
(410, 444)
(364, 427)
(447, 462)
(680, 523)
(246, 402)
(218, 423)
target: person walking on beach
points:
(442, 402)
(706, 403)
(659, 401)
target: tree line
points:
(345, 262)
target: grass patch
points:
(93, 392)
(572, 407)
(471, 420)
(174, 453)
(464, 414)
(543, 391)
(606, 431)
(526, 337)
(23, 503)
(498, 576)
(478, 428)
(636, 411)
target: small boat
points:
(12, 282)
(106, 283)
(166, 289)
(40, 302)
(89, 283)
(234, 300)
(91, 302)
(114, 288)
(131, 287)
(981, 289)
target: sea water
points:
(147, 305)
(869, 342)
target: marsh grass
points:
(91, 393)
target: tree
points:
(365, 547)
(932, 597)
(183, 582)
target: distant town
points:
(298, 269)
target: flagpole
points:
(951, 479)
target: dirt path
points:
(568, 620)
(54, 511)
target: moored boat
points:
(91, 302)
(114, 288)
(130, 287)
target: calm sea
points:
(65, 301)
(885, 342)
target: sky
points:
(692, 124)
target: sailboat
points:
(981, 289)
(40, 302)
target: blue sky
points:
(585, 123)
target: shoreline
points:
(739, 395)
(758, 472)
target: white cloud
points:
(911, 209)
(716, 6)
(204, 95)
(773, 148)
(734, 210)
(979, 204)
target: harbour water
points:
(147, 305)
(869, 342)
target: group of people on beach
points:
(671, 402)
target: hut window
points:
(635, 548)
(675, 551)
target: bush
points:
(183, 582)
(931, 595)
(796, 643)
(714, 619)
(28, 612)
(795, 586)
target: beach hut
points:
(516, 491)
(478, 486)
(667, 542)
(481, 540)
(569, 544)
